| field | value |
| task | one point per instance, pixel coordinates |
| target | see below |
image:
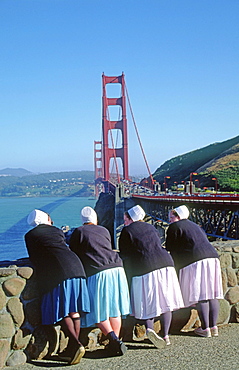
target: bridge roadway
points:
(217, 214)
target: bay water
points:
(13, 219)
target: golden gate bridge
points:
(217, 214)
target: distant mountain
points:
(19, 172)
(220, 160)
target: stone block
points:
(4, 349)
(236, 312)
(33, 312)
(224, 281)
(193, 322)
(225, 260)
(2, 298)
(31, 290)
(236, 249)
(17, 358)
(6, 272)
(231, 277)
(224, 312)
(15, 308)
(14, 286)
(180, 319)
(21, 339)
(235, 261)
(38, 347)
(25, 272)
(7, 328)
(232, 296)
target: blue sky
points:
(181, 65)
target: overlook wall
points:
(23, 337)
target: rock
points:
(38, 347)
(53, 335)
(31, 290)
(233, 295)
(25, 272)
(6, 272)
(180, 319)
(236, 249)
(63, 341)
(228, 249)
(94, 339)
(15, 308)
(193, 322)
(17, 358)
(33, 312)
(21, 339)
(235, 261)
(224, 312)
(236, 312)
(225, 260)
(4, 349)
(231, 277)
(224, 281)
(13, 286)
(2, 298)
(7, 328)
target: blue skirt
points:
(109, 296)
(69, 296)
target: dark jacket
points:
(54, 262)
(92, 243)
(141, 250)
(188, 243)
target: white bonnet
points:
(136, 213)
(182, 211)
(88, 215)
(37, 217)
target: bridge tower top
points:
(110, 150)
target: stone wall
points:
(23, 337)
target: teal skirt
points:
(69, 296)
(109, 296)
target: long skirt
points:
(155, 293)
(109, 296)
(201, 281)
(69, 296)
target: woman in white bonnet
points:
(151, 274)
(106, 280)
(61, 279)
(199, 268)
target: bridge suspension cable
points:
(137, 133)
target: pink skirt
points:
(201, 281)
(155, 293)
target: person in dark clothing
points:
(106, 280)
(199, 268)
(61, 279)
(150, 269)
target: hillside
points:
(19, 172)
(78, 183)
(220, 160)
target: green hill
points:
(80, 183)
(220, 160)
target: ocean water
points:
(13, 219)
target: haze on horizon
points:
(181, 65)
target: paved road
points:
(186, 352)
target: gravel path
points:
(186, 352)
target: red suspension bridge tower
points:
(108, 150)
